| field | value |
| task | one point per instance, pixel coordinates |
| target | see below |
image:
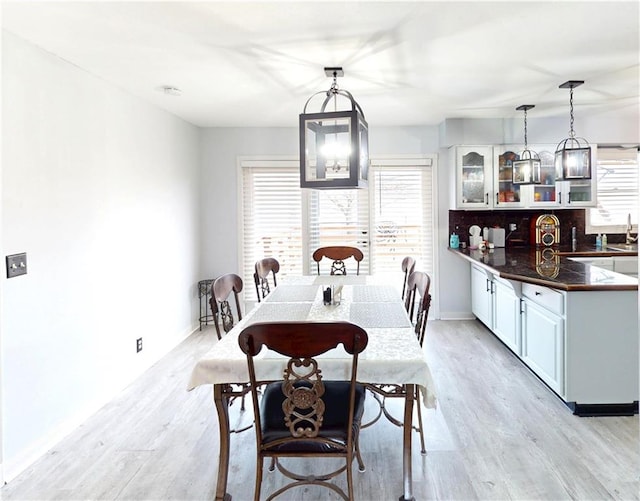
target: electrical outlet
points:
(138, 345)
(513, 227)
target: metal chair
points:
(261, 276)
(408, 267)
(338, 254)
(221, 289)
(302, 415)
(419, 284)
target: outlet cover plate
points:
(16, 265)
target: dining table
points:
(393, 363)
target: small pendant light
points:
(526, 170)
(573, 154)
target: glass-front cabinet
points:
(484, 180)
(507, 194)
(474, 176)
(557, 193)
(546, 193)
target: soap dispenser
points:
(454, 241)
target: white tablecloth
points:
(393, 354)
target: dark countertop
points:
(551, 267)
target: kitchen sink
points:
(623, 247)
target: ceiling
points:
(406, 63)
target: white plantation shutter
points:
(338, 217)
(391, 219)
(617, 177)
(402, 214)
(271, 206)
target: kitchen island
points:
(574, 324)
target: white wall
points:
(101, 190)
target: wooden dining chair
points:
(261, 276)
(303, 415)
(338, 254)
(418, 300)
(221, 291)
(408, 267)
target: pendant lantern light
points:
(526, 170)
(573, 154)
(334, 144)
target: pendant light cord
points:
(572, 134)
(525, 130)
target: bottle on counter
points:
(599, 241)
(604, 240)
(454, 241)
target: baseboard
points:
(456, 315)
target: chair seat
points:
(333, 424)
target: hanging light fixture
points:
(573, 155)
(526, 170)
(334, 145)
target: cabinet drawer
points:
(548, 298)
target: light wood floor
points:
(498, 433)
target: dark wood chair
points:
(408, 267)
(261, 276)
(338, 254)
(302, 415)
(221, 290)
(418, 300)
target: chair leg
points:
(423, 451)
(259, 462)
(361, 466)
(350, 476)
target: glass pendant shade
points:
(573, 159)
(526, 170)
(573, 154)
(334, 145)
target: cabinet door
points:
(481, 296)
(543, 344)
(506, 316)
(474, 177)
(508, 195)
(547, 193)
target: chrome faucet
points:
(629, 240)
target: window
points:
(391, 219)
(337, 217)
(617, 177)
(271, 216)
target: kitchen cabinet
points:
(554, 193)
(508, 195)
(543, 336)
(473, 166)
(496, 304)
(582, 343)
(484, 180)
(506, 314)
(482, 296)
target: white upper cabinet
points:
(474, 176)
(484, 180)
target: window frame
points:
(591, 227)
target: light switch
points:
(16, 265)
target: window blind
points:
(403, 216)
(271, 206)
(391, 219)
(338, 217)
(617, 177)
